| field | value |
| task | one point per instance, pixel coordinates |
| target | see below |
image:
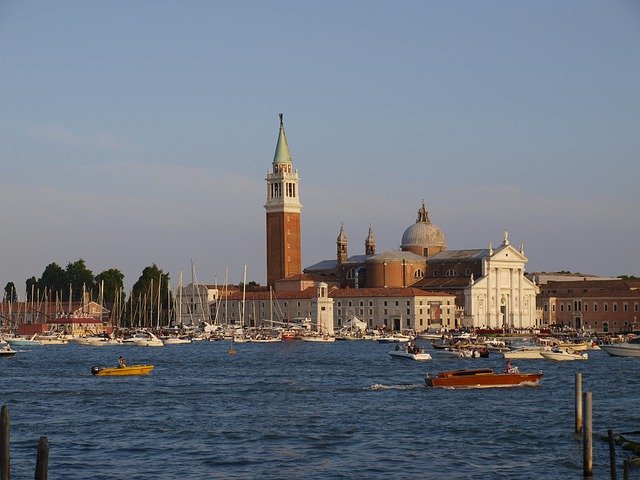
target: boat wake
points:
(400, 386)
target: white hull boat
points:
(418, 357)
(96, 341)
(563, 355)
(23, 342)
(323, 338)
(524, 353)
(623, 349)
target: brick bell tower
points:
(284, 253)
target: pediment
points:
(506, 253)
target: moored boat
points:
(482, 378)
(7, 351)
(410, 352)
(121, 371)
(561, 355)
(630, 348)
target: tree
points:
(32, 287)
(10, 294)
(112, 281)
(144, 297)
(80, 278)
(54, 279)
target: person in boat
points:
(121, 362)
(508, 368)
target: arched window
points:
(451, 273)
(351, 274)
(418, 274)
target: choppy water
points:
(300, 410)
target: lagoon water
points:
(298, 410)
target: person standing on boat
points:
(121, 362)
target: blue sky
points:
(135, 133)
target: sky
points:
(134, 133)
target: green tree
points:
(10, 294)
(54, 279)
(80, 278)
(32, 288)
(112, 281)
(143, 304)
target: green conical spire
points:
(282, 154)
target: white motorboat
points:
(97, 341)
(23, 342)
(143, 339)
(525, 353)
(51, 338)
(412, 353)
(318, 338)
(561, 355)
(394, 339)
(7, 351)
(630, 348)
(176, 340)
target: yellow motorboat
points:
(119, 371)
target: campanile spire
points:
(284, 253)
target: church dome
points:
(423, 236)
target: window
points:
(408, 311)
(339, 304)
(562, 307)
(625, 307)
(408, 302)
(595, 307)
(397, 303)
(606, 307)
(451, 273)
(546, 307)
(467, 272)
(323, 308)
(362, 304)
(615, 307)
(385, 303)
(435, 273)
(418, 273)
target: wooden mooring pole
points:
(587, 439)
(625, 469)
(4, 443)
(612, 455)
(578, 402)
(42, 460)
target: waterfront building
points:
(284, 253)
(490, 284)
(606, 306)
(396, 309)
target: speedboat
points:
(482, 378)
(412, 353)
(630, 348)
(97, 341)
(7, 351)
(398, 338)
(561, 355)
(526, 353)
(23, 342)
(121, 371)
(51, 338)
(318, 338)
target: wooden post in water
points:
(612, 455)
(4, 444)
(587, 439)
(625, 469)
(578, 402)
(42, 460)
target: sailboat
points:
(232, 349)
